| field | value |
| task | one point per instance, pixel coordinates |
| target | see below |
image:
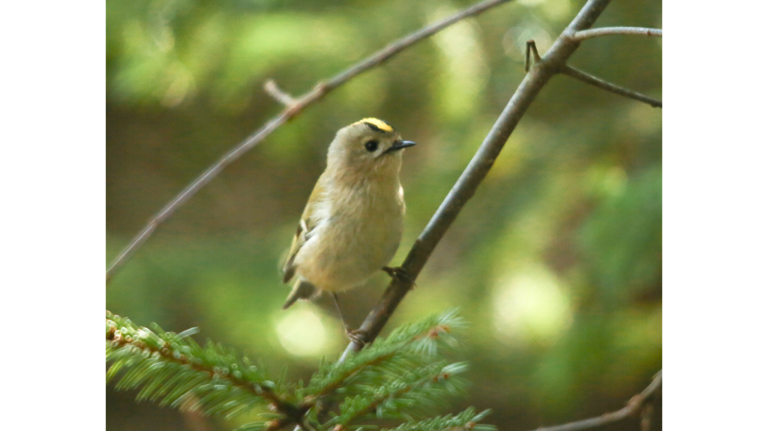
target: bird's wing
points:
(306, 225)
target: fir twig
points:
(464, 421)
(407, 393)
(172, 368)
(421, 338)
(397, 377)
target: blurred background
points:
(555, 262)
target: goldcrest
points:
(353, 221)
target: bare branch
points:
(399, 45)
(271, 88)
(646, 417)
(288, 113)
(608, 31)
(605, 85)
(530, 46)
(475, 172)
(634, 407)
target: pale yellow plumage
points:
(352, 223)
(302, 231)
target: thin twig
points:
(271, 88)
(646, 417)
(475, 172)
(530, 46)
(634, 407)
(609, 31)
(605, 85)
(288, 113)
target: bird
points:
(352, 224)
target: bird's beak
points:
(399, 145)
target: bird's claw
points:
(399, 274)
(357, 336)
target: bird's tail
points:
(301, 290)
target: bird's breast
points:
(358, 232)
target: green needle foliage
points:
(404, 377)
(464, 420)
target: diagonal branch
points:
(605, 85)
(635, 406)
(290, 111)
(609, 31)
(539, 74)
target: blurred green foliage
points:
(556, 261)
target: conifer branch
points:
(402, 350)
(340, 377)
(394, 377)
(467, 420)
(172, 368)
(417, 388)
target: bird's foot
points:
(399, 274)
(357, 336)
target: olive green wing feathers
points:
(306, 225)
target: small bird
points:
(353, 221)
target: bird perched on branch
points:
(353, 221)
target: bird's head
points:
(367, 146)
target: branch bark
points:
(292, 109)
(634, 407)
(605, 85)
(538, 76)
(609, 31)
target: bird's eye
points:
(372, 145)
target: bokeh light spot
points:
(531, 306)
(301, 332)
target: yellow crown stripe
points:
(378, 123)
